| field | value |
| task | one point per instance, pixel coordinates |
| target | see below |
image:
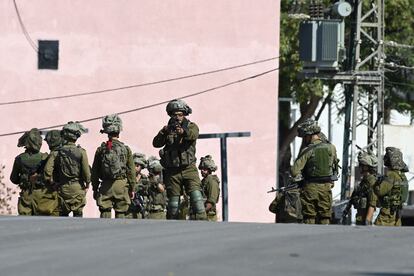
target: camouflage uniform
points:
(360, 196)
(135, 210)
(317, 163)
(178, 140)
(26, 170)
(210, 185)
(45, 197)
(113, 171)
(157, 194)
(70, 165)
(388, 193)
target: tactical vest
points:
(361, 193)
(321, 163)
(204, 182)
(69, 158)
(178, 152)
(30, 164)
(114, 161)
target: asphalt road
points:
(68, 246)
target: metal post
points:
(223, 157)
(224, 188)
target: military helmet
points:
(393, 159)
(207, 162)
(140, 159)
(111, 124)
(31, 139)
(308, 127)
(178, 105)
(72, 130)
(154, 165)
(368, 159)
(53, 138)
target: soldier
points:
(210, 185)
(45, 198)
(113, 171)
(360, 196)
(318, 164)
(26, 172)
(178, 139)
(390, 191)
(71, 168)
(137, 209)
(156, 190)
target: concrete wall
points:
(112, 43)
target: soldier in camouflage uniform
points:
(390, 191)
(178, 141)
(113, 171)
(156, 190)
(46, 198)
(26, 172)
(71, 168)
(360, 196)
(210, 185)
(317, 162)
(138, 210)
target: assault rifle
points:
(173, 124)
(292, 183)
(138, 202)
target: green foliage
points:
(399, 27)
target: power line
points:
(395, 65)
(397, 45)
(156, 104)
(138, 85)
(24, 30)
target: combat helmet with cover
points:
(178, 105)
(367, 159)
(308, 127)
(140, 159)
(72, 131)
(31, 140)
(54, 139)
(111, 124)
(154, 165)
(207, 162)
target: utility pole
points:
(367, 90)
(362, 75)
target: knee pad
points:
(172, 208)
(197, 202)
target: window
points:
(48, 54)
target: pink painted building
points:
(107, 44)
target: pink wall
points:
(112, 43)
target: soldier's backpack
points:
(30, 165)
(69, 161)
(114, 161)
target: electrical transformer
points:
(322, 45)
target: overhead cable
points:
(24, 30)
(137, 85)
(155, 104)
(397, 45)
(395, 65)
